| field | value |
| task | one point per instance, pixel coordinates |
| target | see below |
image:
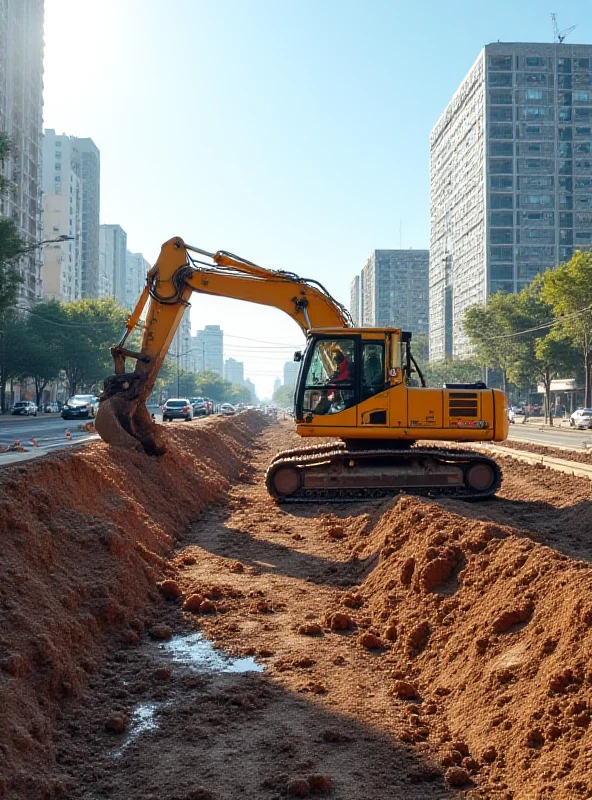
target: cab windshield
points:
(329, 382)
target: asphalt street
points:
(558, 436)
(49, 430)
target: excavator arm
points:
(123, 419)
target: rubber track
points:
(313, 456)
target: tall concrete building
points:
(136, 269)
(355, 305)
(511, 185)
(393, 290)
(62, 216)
(113, 249)
(21, 109)
(88, 166)
(234, 372)
(251, 387)
(208, 348)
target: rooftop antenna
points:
(560, 36)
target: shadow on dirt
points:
(265, 556)
(217, 737)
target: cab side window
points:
(373, 372)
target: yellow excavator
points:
(355, 387)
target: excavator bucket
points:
(124, 421)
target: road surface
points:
(551, 437)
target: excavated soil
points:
(410, 648)
(582, 457)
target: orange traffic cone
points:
(33, 441)
(68, 434)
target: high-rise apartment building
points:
(87, 162)
(251, 387)
(511, 179)
(208, 347)
(234, 372)
(291, 369)
(21, 107)
(62, 216)
(393, 290)
(113, 249)
(355, 305)
(136, 269)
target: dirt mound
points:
(582, 457)
(492, 641)
(84, 536)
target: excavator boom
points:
(123, 419)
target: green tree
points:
(11, 337)
(83, 331)
(541, 353)
(238, 394)
(490, 329)
(436, 373)
(420, 348)
(284, 396)
(11, 244)
(210, 384)
(568, 290)
(39, 353)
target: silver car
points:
(581, 418)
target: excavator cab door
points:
(373, 410)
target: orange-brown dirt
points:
(412, 648)
(581, 456)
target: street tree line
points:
(541, 333)
(71, 341)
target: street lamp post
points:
(58, 240)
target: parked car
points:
(25, 408)
(80, 406)
(581, 418)
(51, 408)
(177, 408)
(200, 406)
(227, 409)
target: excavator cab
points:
(342, 369)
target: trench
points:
(405, 648)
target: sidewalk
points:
(540, 422)
(8, 418)
(30, 452)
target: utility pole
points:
(178, 372)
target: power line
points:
(543, 325)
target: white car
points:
(227, 409)
(581, 418)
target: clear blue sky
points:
(292, 132)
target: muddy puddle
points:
(142, 720)
(196, 653)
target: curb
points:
(559, 464)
